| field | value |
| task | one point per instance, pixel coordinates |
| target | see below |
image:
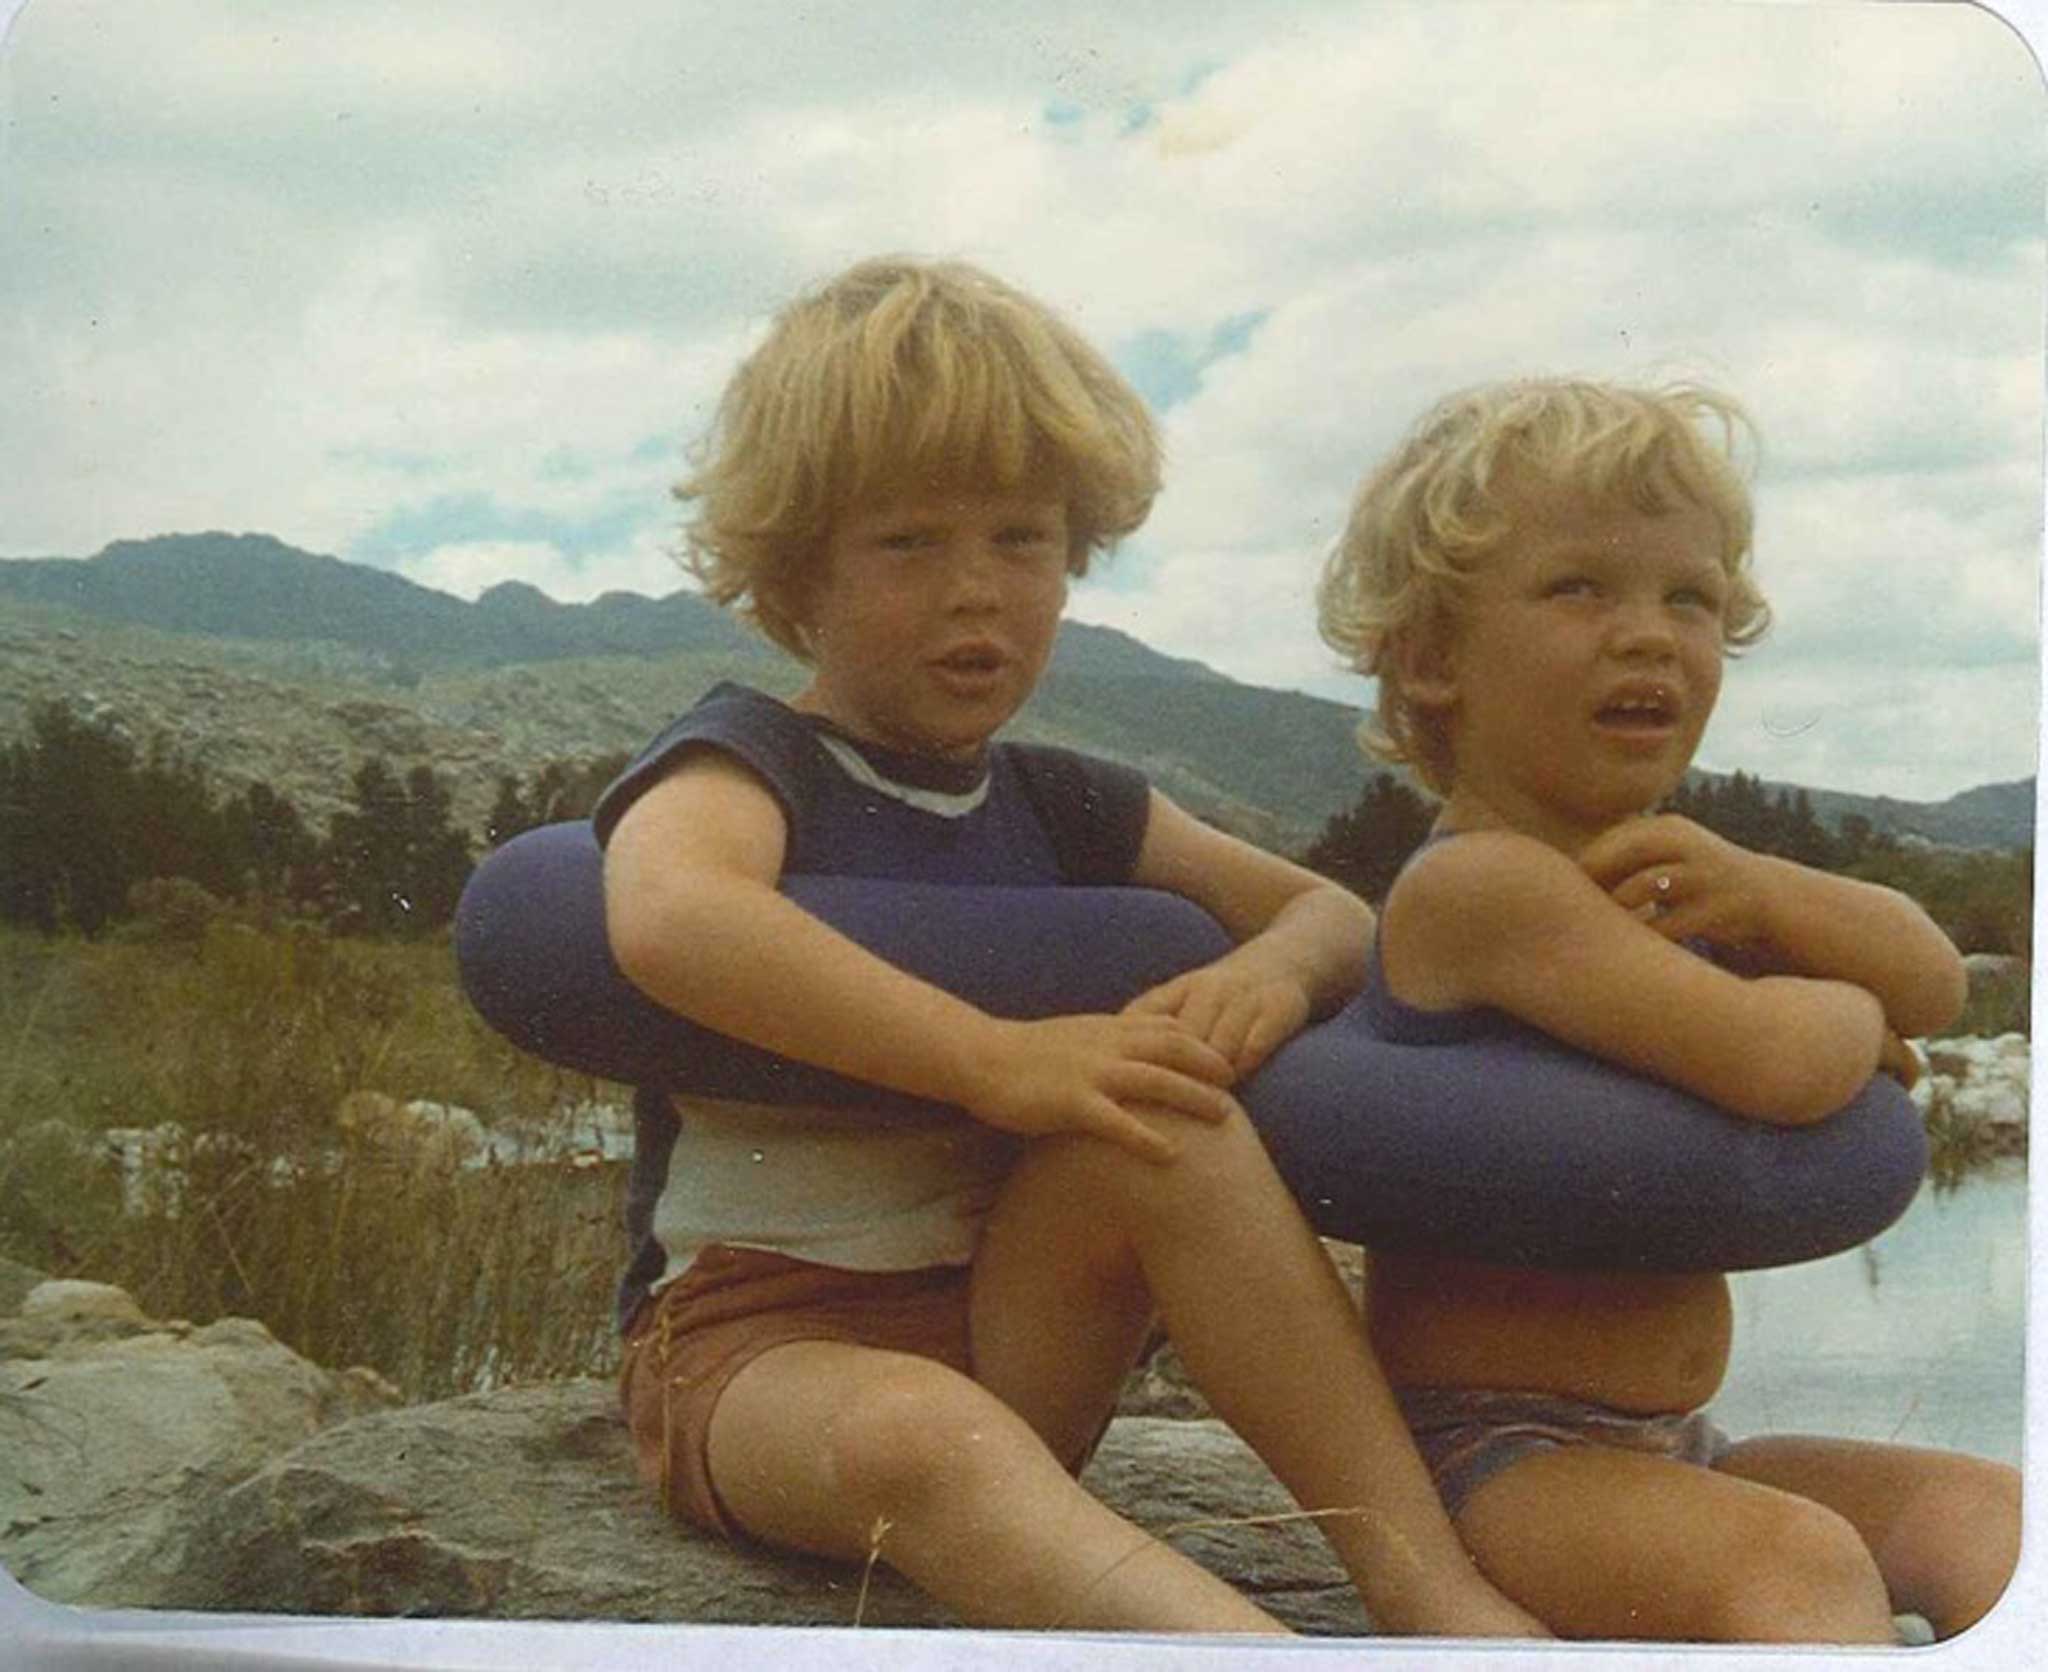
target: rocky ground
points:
(152, 1464)
(1981, 1084)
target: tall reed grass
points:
(247, 1035)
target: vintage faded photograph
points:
(1212, 821)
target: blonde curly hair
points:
(1426, 518)
(905, 376)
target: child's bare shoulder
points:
(1498, 871)
(1484, 917)
(707, 808)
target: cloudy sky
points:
(448, 285)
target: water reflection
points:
(1916, 1337)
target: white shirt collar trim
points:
(856, 766)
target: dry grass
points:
(443, 1279)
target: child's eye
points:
(1024, 543)
(1697, 598)
(1572, 586)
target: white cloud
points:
(1868, 724)
(1246, 611)
(330, 270)
(470, 568)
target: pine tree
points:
(510, 814)
(70, 853)
(1365, 846)
(269, 838)
(437, 852)
(366, 850)
(396, 860)
(176, 824)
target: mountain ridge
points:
(358, 659)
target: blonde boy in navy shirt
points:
(922, 1328)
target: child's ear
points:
(1426, 660)
(791, 594)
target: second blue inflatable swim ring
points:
(1509, 1148)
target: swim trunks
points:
(1468, 1435)
(688, 1341)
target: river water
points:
(1915, 1338)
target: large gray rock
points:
(112, 1425)
(1983, 1084)
(155, 1465)
(523, 1504)
(1198, 1486)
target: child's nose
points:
(1643, 631)
(975, 575)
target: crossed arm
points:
(1573, 947)
(1790, 917)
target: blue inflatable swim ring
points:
(1510, 1148)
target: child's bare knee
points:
(1796, 1571)
(1211, 1161)
(1955, 1543)
(920, 1437)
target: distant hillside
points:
(251, 586)
(1990, 816)
(264, 661)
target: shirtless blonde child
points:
(1545, 578)
(869, 1326)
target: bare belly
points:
(1638, 1342)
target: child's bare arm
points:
(1503, 920)
(1302, 939)
(1804, 920)
(695, 921)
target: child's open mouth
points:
(970, 664)
(1648, 709)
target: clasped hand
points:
(1172, 1051)
(1684, 881)
(1688, 883)
(1089, 1074)
(1245, 1005)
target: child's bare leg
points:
(1266, 1327)
(1944, 1528)
(816, 1444)
(1600, 1542)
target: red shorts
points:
(686, 1344)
